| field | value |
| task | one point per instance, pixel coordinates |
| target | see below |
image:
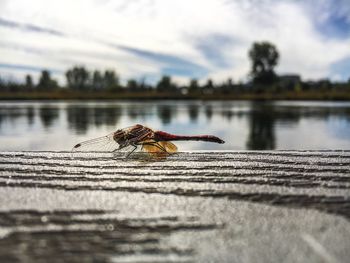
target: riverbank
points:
(74, 95)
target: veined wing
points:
(169, 147)
(159, 149)
(100, 144)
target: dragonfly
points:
(155, 143)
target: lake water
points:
(242, 124)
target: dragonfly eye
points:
(118, 132)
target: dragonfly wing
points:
(159, 150)
(130, 148)
(101, 144)
(169, 147)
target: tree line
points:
(264, 57)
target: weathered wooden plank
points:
(200, 206)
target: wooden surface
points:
(272, 206)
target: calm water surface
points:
(243, 125)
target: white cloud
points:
(172, 28)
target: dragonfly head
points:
(119, 135)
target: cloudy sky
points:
(145, 39)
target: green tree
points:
(165, 85)
(298, 87)
(29, 82)
(227, 86)
(111, 80)
(264, 57)
(45, 81)
(2, 84)
(97, 81)
(141, 84)
(132, 85)
(193, 86)
(208, 87)
(78, 78)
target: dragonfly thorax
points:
(133, 135)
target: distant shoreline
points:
(69, 95)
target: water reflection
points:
(79, 118)
(263, 120)
(10, 115)
(30, 114)
(47, 114)
(261, 128)
(208, 109)
(165, 113)
(106, 115)
(138, 111)
(82, 118)
(243, 125)
(228, 114)
(193, 112)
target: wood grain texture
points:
(186, 197)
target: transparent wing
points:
(156, 147)
(159, 150)
(101, 144)
(169, 146)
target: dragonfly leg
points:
(135, 147)
(160, 147)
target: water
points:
(242, 124)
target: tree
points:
(227, 86)
(208, 87)
(78, 78)
(29, 82)
(2, 84)
(141, 84)
(264, 57)
(193, 87)
(111, 80)
(97, 80)
(165, 84)
(45, 81)
(132, 85)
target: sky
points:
(145, 39)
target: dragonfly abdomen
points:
(164, 136)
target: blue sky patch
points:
(170, 65)
(342, 68)
(29, 27)
(335, 26)
(212, 47)
(27, 68)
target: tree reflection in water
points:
(138, 111)
(109, 115)
(208, 110)
(193, 112)
(81, 118)
(261, 128)
(263, 121)
(166, 113)
(271, 125)
(30, 114)
(48, 115)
